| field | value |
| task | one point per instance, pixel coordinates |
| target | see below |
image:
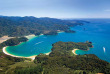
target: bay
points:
(97, 31)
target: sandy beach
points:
(30, 36)
(74, 50)
(31, 57)
(47, 53)
(59, 31)
(4, 51)
(4, 38)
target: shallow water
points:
(97, 31)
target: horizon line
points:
(59, 18)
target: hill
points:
(21, 26)
(60, 61)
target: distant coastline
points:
(33, 35)
(30, 36)
(5, 38)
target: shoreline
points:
(47, 53)
(74, 50)
(60, 32)
(4, 38)
(30, 36)
(5, 52)
(30, 57)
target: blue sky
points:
(56, 8)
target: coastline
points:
(74, 50)
(60, 32)
(4, 38)
(30, 36)
(30, 57)
(4, 51)
(47, 53)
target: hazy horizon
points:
(56, 8)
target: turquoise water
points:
(97, 31)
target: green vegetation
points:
(21, 26)
(6, 61)
(50, 33)
(73, 64)
(70, 31)
(30, 70)
(13, 41)
(60, 61)
(64, 48)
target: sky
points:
(56, 8)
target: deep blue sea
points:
(97, 31)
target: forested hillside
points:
(20, 26)
(13, 41)
(60, 61)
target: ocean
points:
(97, 32)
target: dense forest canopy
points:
(67, 47)
(20, 26)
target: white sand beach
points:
(31, 57)
(30, 36)
(47, 53)
(4, 38)
(59, 31)
(74, 50)
(4, 51)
